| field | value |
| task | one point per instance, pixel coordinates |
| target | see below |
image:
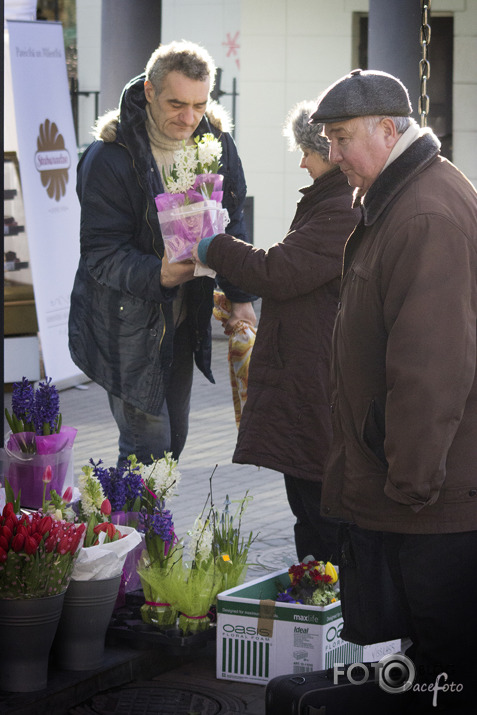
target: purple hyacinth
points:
(121, 485)
(46, 408)
(23, 399)
(160, 524)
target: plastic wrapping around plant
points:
(27, 455)
(183, 227)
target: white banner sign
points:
(47, 156)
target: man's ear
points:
(390, 132)
(149, 91)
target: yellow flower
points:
(226, 557)
(331, 571)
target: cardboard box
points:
(258, 638)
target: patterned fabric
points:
(241, 341)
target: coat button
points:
(473, 492)
(153, 332)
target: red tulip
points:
(45, 525)
(106, 507)
(30, 545)
(22, 529)
(11, 521)
(68, 495)
(50, 543)
(3, 555)
(63, 545)
(18, 542)
(3, 543)
(6, 532)
(8, 509)
(47, 474)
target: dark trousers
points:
(143, 434)
(436, 578)
(315, 535)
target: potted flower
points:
(313, 583)
(160, 480)
(37, 439)
(37, 557)
(185, 578)
(93, 589)
(191, 207)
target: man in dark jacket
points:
(402, 466)
(138, 322)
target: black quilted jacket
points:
(120, 325)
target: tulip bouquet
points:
(37, 439)
(37, 553)
(191, 208)
(313, 583)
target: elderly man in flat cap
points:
(403, 464)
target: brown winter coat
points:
(404, 454)
(286, 422)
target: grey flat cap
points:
(362, 93)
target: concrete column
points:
(130, 32)
(394, 42)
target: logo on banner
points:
(52, 160)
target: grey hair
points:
(190, 59)
(401, 123)
(302, 135)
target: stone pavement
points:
(209, 447)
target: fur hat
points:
(361, 94)
(301, 134)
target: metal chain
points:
(424, 64)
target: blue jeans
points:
(149, 436)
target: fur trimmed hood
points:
(105, 128)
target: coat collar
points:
(397, 175)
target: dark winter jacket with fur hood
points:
(121, 321)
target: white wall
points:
(284, 51)
(465, 84)
(292, 50)
(214, 24)
(88, 29)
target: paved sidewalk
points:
(210, 445)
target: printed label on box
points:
(291, 639)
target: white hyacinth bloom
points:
(200, 543)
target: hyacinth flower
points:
(122, 485)
(34, 413)
(191, 207)
(195, 580)
(37, 440)
(156, 565)
(230, 547)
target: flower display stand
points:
(80, 639)
(27, 630)
(127, 627)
